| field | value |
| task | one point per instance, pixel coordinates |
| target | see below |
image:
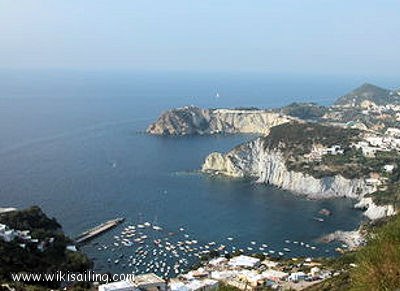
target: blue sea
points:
(74, 143)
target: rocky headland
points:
(350, 149)
(256, 161)
(193, 120)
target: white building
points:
(178, 286)
(334, 150)
(223, 275)
(218, 261)
(203, 285)
(315, 271)
(141, 282)
(388, 168)
(126, 285)
(269, 264)
(274, 275)
(6, 234)
(297, 276)
(244, 261)
(392, 131)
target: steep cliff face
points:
(255, 160)
(373, 211)
(194, 120)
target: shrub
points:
(379, 261)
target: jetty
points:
(97, 230)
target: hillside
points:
(39, 245)
(369, 92)
(375, 266)
(306, 111)
(191, 120)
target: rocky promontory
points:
(255, 160)
(194, 120)
(350, 149)
(308, 159)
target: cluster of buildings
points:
(24, 237)
(243, 272)
(150, 282)
(319, 150)
(369, 145)
(8, 234)
(369, 107)
(373, 143)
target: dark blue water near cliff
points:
(73, 143)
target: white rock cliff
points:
(194, 120)
(254, 160)
(373, 211)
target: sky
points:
(282, 36)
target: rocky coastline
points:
(267, 164)
(191, 120)
(254, 160)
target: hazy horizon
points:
(359, 38)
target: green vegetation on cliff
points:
(304, 110)
(55, 257)
(298, 138)
(388, 196)
(353, 164)
(368, 92)
(377, 265)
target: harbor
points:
(144, 247)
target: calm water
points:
(73, 143)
